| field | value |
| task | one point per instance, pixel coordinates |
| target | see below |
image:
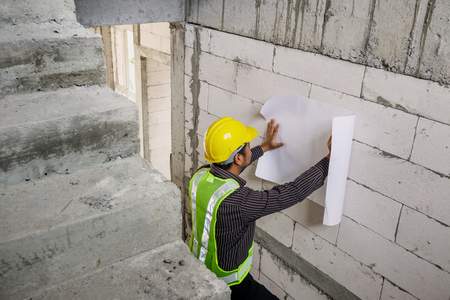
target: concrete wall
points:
(113, 12)
(393, 242)
(405, 36)
(156, 37)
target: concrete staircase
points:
(81, 215)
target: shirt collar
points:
(224, 174)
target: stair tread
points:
(31, 32)
(19, 109)
(33, 207)
(167, 272)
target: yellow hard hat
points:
(225, 136)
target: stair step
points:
(65, 226)
(169, 272)
(64, 130)
(36, 57)
(32, 11)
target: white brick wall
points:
(397, 207)
(388, 259)
(218, 71)
(372, 209)
(425, 237)
(279, 226)
(310, 215)
(320, 70)
(224, 103)
(245, 50)
(156, 36)
(260, 85)
(272, 286)
(401, 180)
(202, 97)
(388, 129)
(432, 146)
(418, 96)
(287, 280)
(391, 292)
(205, 119)
(340, 266)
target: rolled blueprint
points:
(305, 126)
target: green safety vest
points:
(206, 193)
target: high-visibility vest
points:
(206, 193)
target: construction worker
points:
(224, 210)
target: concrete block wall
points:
(405, 36)
(155, 46)
(156, 36)
(394, 240)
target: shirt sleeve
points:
(256, 204)
(257, 152)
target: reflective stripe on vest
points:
(242, 271)
(227, 187)
(195, 182)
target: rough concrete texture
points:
(46, 132)
(168, 272)
(107, 12)
(208, 11)
(435, 43)
(408, 36)
(66, 225)
(35, 57)
(30, 11)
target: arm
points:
(256, 204)
(257, 152)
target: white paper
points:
(305, 126)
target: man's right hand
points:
(270, 142)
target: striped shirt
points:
(237, 214)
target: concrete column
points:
(177, 105)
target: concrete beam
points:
(113, 12)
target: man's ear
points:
(239, 160)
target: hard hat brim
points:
(252, 133)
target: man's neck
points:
(235, 169)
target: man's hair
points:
(227, 166)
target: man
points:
(224, 210)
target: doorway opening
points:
(138, 67)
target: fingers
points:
(275, 129)
(272, 127)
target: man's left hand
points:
(270, 142)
